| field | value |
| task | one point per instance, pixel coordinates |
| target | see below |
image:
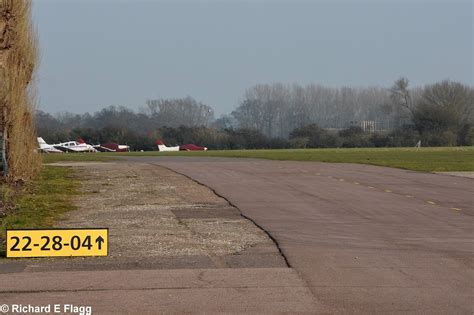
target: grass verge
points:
(39, 204)
(424, 159)
(78, 157)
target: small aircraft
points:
(163, 148)
(47, 148)
(70, 146)
(75, 146)
(191, 147)
(184, 147)
(112, 147)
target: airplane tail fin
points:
(41, 141)
(80, 140)
(159, 142)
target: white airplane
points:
(183, 147)
(163, 148)
(75, 146)
(47, 148)
(70, 146)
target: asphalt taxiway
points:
(365, 239)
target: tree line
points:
(285, 116)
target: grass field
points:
(424, 159)
(40, 203)
(78, 157)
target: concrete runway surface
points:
(175, 248)
(365, 239)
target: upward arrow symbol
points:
(99, 240)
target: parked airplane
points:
(70, 146)
(184, 147)
(47, 148)
(112, 147)
(75, 146)
(191, 147)
(163, 148)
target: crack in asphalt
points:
(151, 289)
(233, 205)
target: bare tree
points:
(401, 98)
(277, 109)
(179, 112)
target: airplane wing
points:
(49, 150)
(64, 149)
(102, 149)
(191, 147)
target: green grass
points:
(77, 157)
(39, 204)
(424, 159)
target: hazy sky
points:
(96, 53)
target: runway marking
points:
(456, 209)
(387, 190)
(342, 180)
(409, 196)
(356, 183)
(371, 187)
(430, 202)
(318, 174)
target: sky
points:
(97, 53)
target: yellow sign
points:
(57, 243)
